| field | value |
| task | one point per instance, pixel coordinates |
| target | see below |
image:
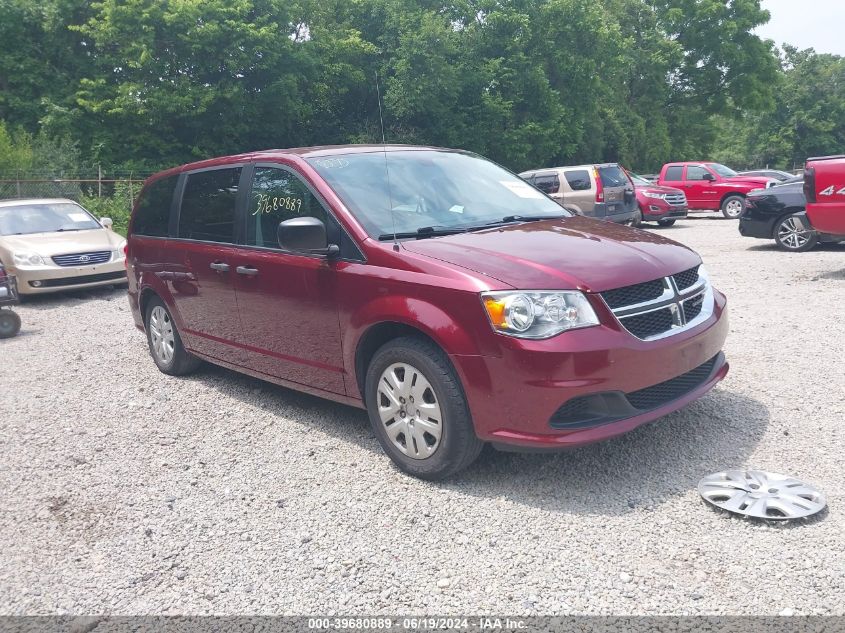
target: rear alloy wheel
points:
(733, 206)
(666, 222)
(166, 348)
(10, 323)
(637, 220)
(792, 234)
(418, 410)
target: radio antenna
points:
(386, 168)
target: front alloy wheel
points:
(733, 206)
(792, 234)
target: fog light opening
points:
(35, 284)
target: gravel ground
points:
(125, 491)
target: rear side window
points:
(613, 176)
(208, 206)
(694, 172)
(152, 213)
(547, 183)
(579, 180)
(674, 173)
(277, 195)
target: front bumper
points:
(663, 212)
(514, 397)
(46, 279)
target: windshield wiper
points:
(509, 219)
(63, 230)
(424, 232)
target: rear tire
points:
(666, 222)
(418, 410)
(733, 206)
(791, 234)
(166, 348)
(10, 323)
(637, 220)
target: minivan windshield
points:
(724, 172)
(430, 190)
(52, 217)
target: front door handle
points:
(247, 270)
(220, 267)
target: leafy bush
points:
(118, 207)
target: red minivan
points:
(453, 301)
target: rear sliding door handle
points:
(220, 266)
(247, 270)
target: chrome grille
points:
(82, 259)
(684, 300)
(629, 295)
(676, 199)
(686, 279)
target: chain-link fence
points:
(74, 186)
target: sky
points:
(818, 24)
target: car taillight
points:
(599, 186)
(126, 256)
(810, 184)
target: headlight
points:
(651, 194)
(24, 260)
(538, 313)
(118, 252)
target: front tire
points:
(792, 234)
(666, 222)
(10, 323)
(166, 348)
(418, 410)
(733, 206)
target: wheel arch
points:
(378, 335)
(730, 194)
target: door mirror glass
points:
(305, 235)
(106, 223)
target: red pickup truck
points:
(711, 186)
(824, 188)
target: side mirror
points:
(106, 223)
(305, 235)
(709, 176)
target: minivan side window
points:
(579, 180)
(547, 183)
(152, 213)
(674, 173)
(208, 206)
(694, 172)
(277, 195)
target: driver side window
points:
(694, 172)
(277, 195)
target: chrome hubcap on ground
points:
(409, 411)
(161, 334)
(793, 234)
(734, 208)
(761, 494)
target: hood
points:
(658, 189)
(49, 244)
(754, 181)
(572, 253)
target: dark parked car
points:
(779, 213)
(777, 174)
(453, 301)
